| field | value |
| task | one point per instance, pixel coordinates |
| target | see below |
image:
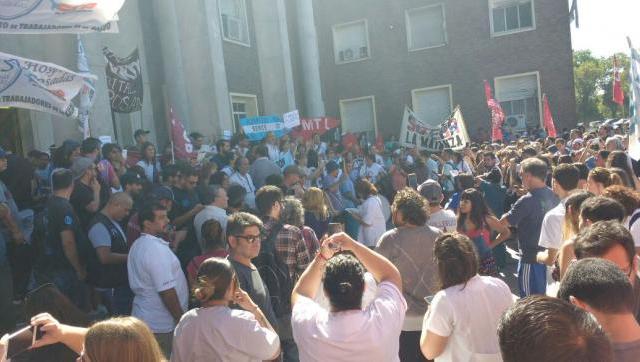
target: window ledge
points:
(352, 61)
(511, 32)
(236, 42)
(427, 48)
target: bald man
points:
(108, 270)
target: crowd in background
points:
(319, 250)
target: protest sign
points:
(124, 80)
(46, 87)
(59, 16)
(454, 130)
(452, 133)
(314, 126)
(256, 128)
(291, 119)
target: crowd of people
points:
(315, 250)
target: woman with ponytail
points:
(215, 332)
(600, 178)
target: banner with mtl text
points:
(452, 133)
(46, 87)
(59, 16)
(124, 81)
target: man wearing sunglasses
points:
(244, 237)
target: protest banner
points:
(291, 119)
(124, 81)
(256, 128)
(314, 126)
(452, 133)
(46, 87)
(59, 16)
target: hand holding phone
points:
(22, 340)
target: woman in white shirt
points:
(149, 163)
(215, 332)
(462, 319)
(369, 214)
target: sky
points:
(605, 24)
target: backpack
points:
(275, 274)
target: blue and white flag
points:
(257, 128)
(87, 93)
(634, 102)
(46, 87)
(59, 16)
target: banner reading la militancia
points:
(452, 133)
(46, 87)
(59, 16)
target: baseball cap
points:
(196, 135)
(80, 166)
(162, 193)
(130, 178)
(140, 132)
(431, 190)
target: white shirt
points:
(469, 316)
(220, 333)
(153, 268)
(372, 172)
(444, 220)
(274, 152)
(371, 213)
(634, 229)
(551, 230)
(208, 213)
(371, 334)
(246, 182)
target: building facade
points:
(361, 61)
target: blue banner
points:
(257, 128)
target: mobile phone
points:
(412, 179)
(428, 299)
(334, 228)
(22, 339)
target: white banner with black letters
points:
(59, 16)
(46, 87)
(452, 133)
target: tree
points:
(594, 86)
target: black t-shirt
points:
(82, 196)
(251, 282)
(61, 217)
(183, 202)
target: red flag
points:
(497, 115)
(548, 119)
(618, 94)
(349, 140)
(182, 147)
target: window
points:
(426, 27)
(359, 115)
(233, 17)
(243, 106)
(519, 97)
(351, 42)
(511, 16)
(432, 105)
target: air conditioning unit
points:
(232, 27)
(347, 55)
(364, 52)
(517, 122)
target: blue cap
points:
(3, 153)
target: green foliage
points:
(594, 86)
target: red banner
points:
(497, 115)
(314, 126)
(618, 94)
(182, 148)
(548, 119)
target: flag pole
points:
(167, 111)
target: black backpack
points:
(275, 274)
